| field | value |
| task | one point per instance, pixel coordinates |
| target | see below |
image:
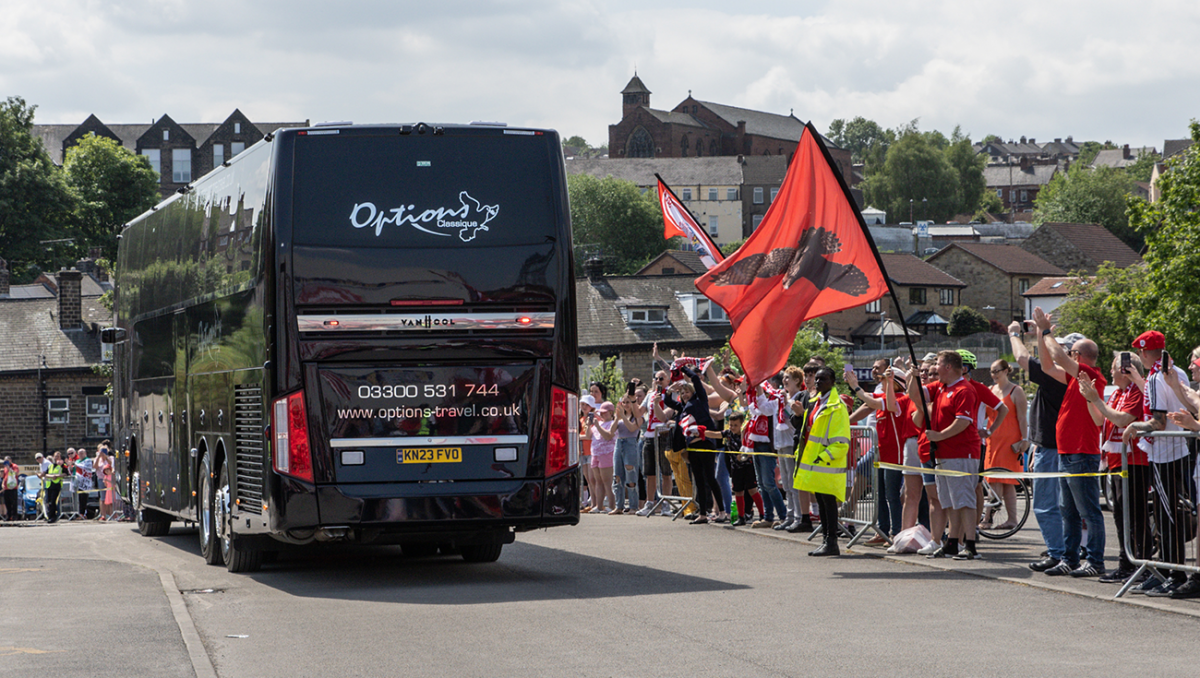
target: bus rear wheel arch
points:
(240, 555)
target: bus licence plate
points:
(429, 455)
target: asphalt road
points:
(616, 596)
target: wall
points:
(986, 285)
(21, 423)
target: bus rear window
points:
(451, 191)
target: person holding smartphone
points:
(10, 481)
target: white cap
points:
(588, 400)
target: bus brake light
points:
(562, 446)
(290, 424)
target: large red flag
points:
(810, 256)
(677, 221)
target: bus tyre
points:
(206, 527)
(481, 553)
(239, 555)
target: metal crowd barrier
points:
(1170, 522)
(861, 508)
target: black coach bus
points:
(354, 333)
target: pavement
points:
(1007, 560)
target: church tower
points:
(635, 94)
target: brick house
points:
(50, 398)
(996, 276)
(1018, 183)
(927, 296)
(180, 153)
(1050, 293)
(695, 128)
(1080, 247)
(623, 316)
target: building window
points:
(946, 296)
(99, 417)
(1012, 196)
(755, 221)
(874, 306)
(166, 135)
(712, 194)
(916, 295)
(1024, 196)
(708, 312)
(218, 154)
(712, 225)
(1022, 285)
(155, 158)
(774, 192)
(647, 316)
(58, 410)
(758, 195)
(683, 147)
(1000, 193)
(668, 270)
(731, 194)
(181, 165)
(685, 194)
(237, 128)
(236, 147)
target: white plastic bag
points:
(911, 540)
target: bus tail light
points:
(562, 446)
(290, 424)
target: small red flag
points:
(677, 221)
(810, 256)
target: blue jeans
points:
(626, 460)
(1045, 500)
(1078, 501)
(723, 480)
(764, 468)
(891, 507)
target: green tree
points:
(867, 142)
(915, 170)
(992, 137)
(1087, 196)
(576, 141)
(112, 185)
(809, 342)
(614, 220)
(989, 203)
(1088, 151)
(730, 247)
(1103, 309)
(1143, 167)
(35, 203)
(968, 165)
(1167, 299)
(606, 373)
(965, 320)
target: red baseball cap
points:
(1150, 340)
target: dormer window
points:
(708, 312)
(647, 316)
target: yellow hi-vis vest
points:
(822, 466)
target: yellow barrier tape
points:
(1005, 475)
(748, 454)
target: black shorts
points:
(652, 462)
(741, 473)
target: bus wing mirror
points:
(112, 335)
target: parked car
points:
(29, 489)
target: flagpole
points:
(672, 192)
(886, 278)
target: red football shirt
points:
(956, 401)
(1075, 430)
(1129, 399)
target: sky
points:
(1099, 70)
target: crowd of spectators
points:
(767, 455)
(90, 478)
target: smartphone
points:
(1166, 359)
(630, 388)
(1126, 361)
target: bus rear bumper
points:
(420, 507)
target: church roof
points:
(635, 86)
(765, 124)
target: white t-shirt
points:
(1160, 398)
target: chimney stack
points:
(5, 288)
(594, 268)
(1125, 152)
(70, 300)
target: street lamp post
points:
(882, 328)
(910, 210)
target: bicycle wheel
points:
(1000, 515)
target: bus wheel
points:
(206, 528)
(238, 557)
(481, 553)
(150, 523)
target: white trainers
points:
(929, 548)
(645, 511)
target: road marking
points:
(14, 570)
(10, 651)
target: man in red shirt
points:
(1078, 433)
(953, 407)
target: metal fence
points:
(863, 493)
(1158, 510)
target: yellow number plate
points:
(429, 455)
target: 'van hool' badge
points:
(469, 218)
